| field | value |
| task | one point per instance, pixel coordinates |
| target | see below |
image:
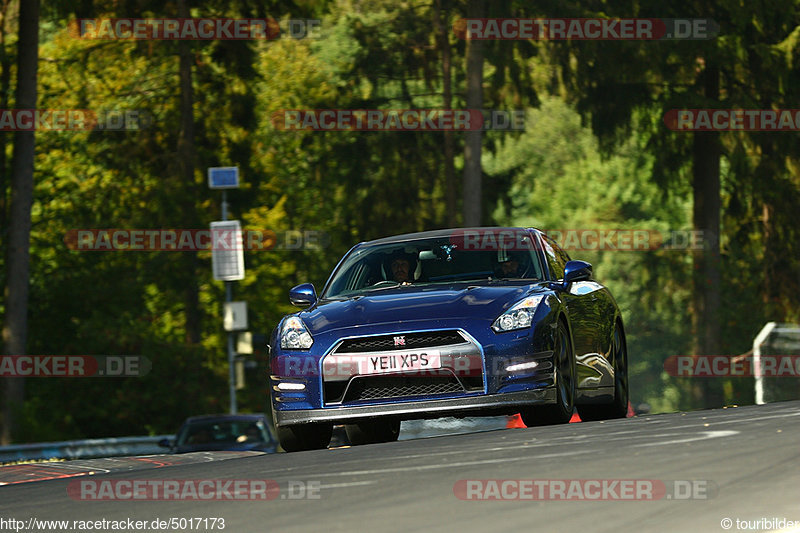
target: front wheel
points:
(619, 407)
(304, 436)
(564, 363)
(373, 432)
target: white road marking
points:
(583, 439)
(728, 420)
(450, 465)
(539, 442)
(705, 436)
(343, 485)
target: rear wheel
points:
(304, 437)
(561, 411)
(373, 432)
(619, 407)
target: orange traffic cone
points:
(515, 421)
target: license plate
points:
(399, 362)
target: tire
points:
(373, 432)
(564, 362)
(619, 407)
(304, 437)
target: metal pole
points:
(760, 339)
(228, 299)
(231, 354)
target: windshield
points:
(223, 432)
(427, 261)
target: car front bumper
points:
(464, 406)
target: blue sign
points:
(223, 177)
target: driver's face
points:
(509, 267)
(400, 270)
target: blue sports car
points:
(460, 322)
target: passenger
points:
(201, 436)
(252, 433)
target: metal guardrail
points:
(124, 446)
(83, 449)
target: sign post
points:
(227, 259)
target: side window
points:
(556, 257)
(563, 258)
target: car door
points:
(586, 308)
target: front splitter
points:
(465, 406)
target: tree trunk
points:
(441, 15)
(5, 87)
(776, 282)
(187, 155)
(768, 295)
(706, 152)
(15, 323)
(472, 139)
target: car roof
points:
(438, 233)
(211, 418)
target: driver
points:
(510, 266)
(400, 266)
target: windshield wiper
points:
(513, 278)
(381, 285)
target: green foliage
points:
(595, 155)
(561, 183)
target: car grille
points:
(381, 343)
(451, 344)
(398, 386)
(374, 388)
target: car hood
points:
(400, 304)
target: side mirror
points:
(165, 443)
(303, 295)
(577, 271)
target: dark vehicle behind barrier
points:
(223, 433)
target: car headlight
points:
(520, 315)
(294, 335)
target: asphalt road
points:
(744, 463)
